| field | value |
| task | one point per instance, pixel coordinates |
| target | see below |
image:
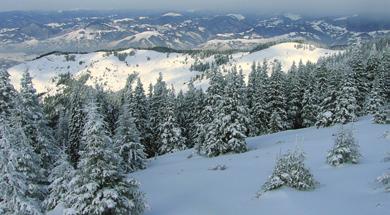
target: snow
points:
(292, 16)
(239, 17)
(172, 14)
(108, 70)
(180, 184)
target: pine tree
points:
(21, 189)
(59, 178)
(207, 141)
(361, 79)
(345, 149)
(327, 89)
(259, 111)
(158, 101)
(277, 100)
(34, 123)
(140, 111)
(295, 96)
(99, 185)
(7, 95)
(235, 125)
(346, 102)
(309, 101)
(290, 171)
(170, 132)
(76, 124)
(127, 142)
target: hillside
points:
(111, 69)
(180, 184)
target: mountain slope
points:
(178, 184)
(111, 69)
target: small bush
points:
(345, 150)
(290, 171)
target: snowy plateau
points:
(185, 183)
(106, 69)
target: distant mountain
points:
(41, 32)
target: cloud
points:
(321, 7)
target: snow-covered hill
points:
(182, 183)
(112, 69)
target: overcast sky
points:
(328, 7)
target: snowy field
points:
(183, 184)
(108, 70)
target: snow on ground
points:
(108, 70)
(176, 184)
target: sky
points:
(323, 7)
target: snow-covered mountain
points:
(112, 68)
(187, 184)
(41, 32)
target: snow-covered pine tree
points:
(100, 185)
(259, 111)
(294, 92)
(277, 100)
(127, 142)
(345, 150)
(357, 63)
(21, 176)
(328, 84)
(59, 179)
(157, 101)
(207, 141)
(34, 123)
(233, 115)
(76, 124)
(346, 102)
(170, 133)
(61, 132)
(7, 94)
(309, 100)
(290, 171)
(140, 112)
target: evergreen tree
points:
(76, 124)
(34, 123)
(140, 112)
(345, 149)
(21, 189)
(259, 111)
(277, 100)
(127, 142)
(158, 101)
(361, 77)
(346, 103)
(295, 96)
(290, 171)
(309, 101)
(99, 185)
(207, 141)
(170, 132)
(59, 178)
(7, 95)
(329, 96)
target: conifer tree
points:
(99, 185)
(277, 100)
(140, 112)
(309, 101)
(7, 94)
(127, 142)
(345, 149)
(346, 102)
(259, 111)
(34, 123)
(21, 190)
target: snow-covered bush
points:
(290, 171)
(385, 180)
(345, 150)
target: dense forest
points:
(76, 147)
